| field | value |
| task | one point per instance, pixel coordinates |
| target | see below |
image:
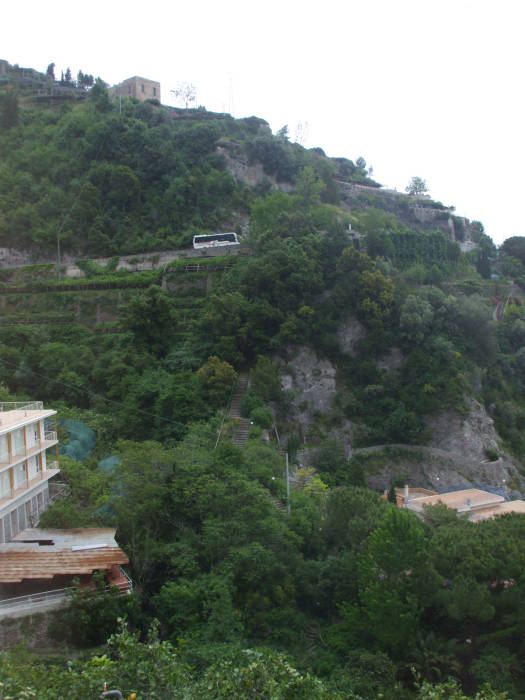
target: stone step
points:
(279, 505)
(241, 434)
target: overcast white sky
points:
(432, 88)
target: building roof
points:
(66, 538)
(462, 501)
(42, 554)
(16, 418)
(136, 77)
(415, 492)
(498, 509)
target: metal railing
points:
(128, 579)
(24, 601)
(50, 435)
(29, 451)
(21, 406)
(32, 598)
(58, 490)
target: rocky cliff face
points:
(350, 332)
(467, 436)
(311, 385)
(252, 174)
(458, 455)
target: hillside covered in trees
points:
(371, 325)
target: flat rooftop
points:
(498, 509)
(461, 501)
(415, 492)
(16, 414)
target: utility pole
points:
(58, 257)
(287, 485)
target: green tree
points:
(392, 497)
(417, 186)
(265, 379)
(150, 317)
(416, 318)
(217, 378)
(8, 110)
(395, 582)
(514, 247)
(330, 456)
(309, 187)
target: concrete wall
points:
(31, 630)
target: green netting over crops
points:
(81, 439)
(108, 464)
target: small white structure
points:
(24, 467)
(215, 240)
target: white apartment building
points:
(27, 431)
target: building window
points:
(20, 475)
(17, 441)
(4, 454)
(5, 485)
(154, 92)
(142, 87)
(32, 467)
(32, 436)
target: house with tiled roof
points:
(39, 566)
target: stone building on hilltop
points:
(140, 88)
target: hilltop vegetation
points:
(361, 598)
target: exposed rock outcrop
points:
(469, 436)
(311, 383)
(393, 359)
(456, 457)
(350, 332)
(251, 174)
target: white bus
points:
(213, 240)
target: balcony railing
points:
(25, 484)
(29, 451)
(21, 406)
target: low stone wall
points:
(31, 630)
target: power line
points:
(92, 394)
(68, 213)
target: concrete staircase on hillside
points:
(278, 505)
(242, 385)
(241, 434)
(312, 633)
(243, 424)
